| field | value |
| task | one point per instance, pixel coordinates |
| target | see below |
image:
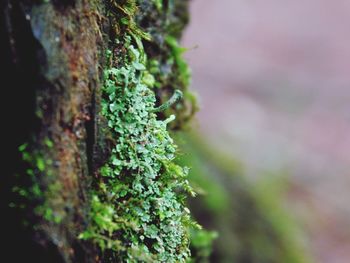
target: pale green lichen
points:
(138, 208)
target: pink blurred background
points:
(273, 79)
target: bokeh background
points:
(273, 81)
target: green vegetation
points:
(33, 190)
(202, 244)
(137, 200)
(138, 209)
(176, 97)
(250, 220)
(164, 21)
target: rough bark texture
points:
(52, 57)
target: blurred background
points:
(273, 83)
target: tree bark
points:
(52, 56)
(52, 59)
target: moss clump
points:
(138, 209)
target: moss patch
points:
(138, 210)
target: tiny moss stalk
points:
(175, 98)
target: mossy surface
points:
(138, 210)
(105, 183)
(165, 21)
(35, 193)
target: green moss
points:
(165, 55)
(177, 52)
(158, 4)
(138, 209)
(48, 142)
(37, 194)
(137, 195)
(202, 242)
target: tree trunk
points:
(52, 61)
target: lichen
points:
(138, 210)
(137, 199)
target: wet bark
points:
(51, 69)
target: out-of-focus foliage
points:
(164, 22)
(202, 244)
(252, 226)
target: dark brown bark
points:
(51, 60)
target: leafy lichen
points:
(138, 208)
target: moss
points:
(165, 62)
(202, 244)
(138, 210)
(38, 194)
(136, 197)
